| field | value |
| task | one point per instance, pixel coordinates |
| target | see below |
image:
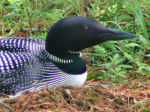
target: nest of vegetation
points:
(94, 96)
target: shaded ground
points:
(94, 96)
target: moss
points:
(10, 101)
(119, 101)
(146, 110)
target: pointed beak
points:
(122, 34)
(112, 34)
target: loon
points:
(29, 64)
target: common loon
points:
(28, 64)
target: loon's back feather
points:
(21, 44)
(16, 52)
(18, 63)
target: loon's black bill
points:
(129, 35)
(120, 35)
(112, 34)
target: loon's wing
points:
(18, 71)
(19, 66)
(21, 44)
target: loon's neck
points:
(70, 64)
(76, 66)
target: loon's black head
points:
(77, 33)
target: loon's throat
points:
(76, 67)
(71, 64)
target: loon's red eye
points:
(85, 28)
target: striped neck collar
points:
(60, 60)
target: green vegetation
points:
(123, 59)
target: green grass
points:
(123, 58)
